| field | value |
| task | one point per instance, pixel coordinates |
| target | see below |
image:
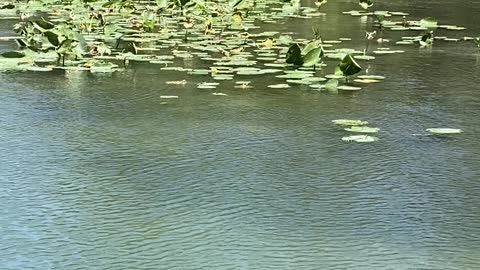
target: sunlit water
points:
(98, 172)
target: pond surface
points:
(99, 172)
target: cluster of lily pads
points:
(107, 35)
(427, 26)
(360, 126)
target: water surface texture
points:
(98, 172)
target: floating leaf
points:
(299, 82)
(444, 130)
(366, 81)
(348, 88)
(360, 138)
(362, 129)
(371, 77)
(268, 43)
(182, 82)
(281, 85)
(349, 122)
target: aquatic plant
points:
(347, 67)
(362, 129)
(426, 40)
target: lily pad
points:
(280, 85)
(348, 88)
(349, 122)
(360, 138)
(362, 129)
(371, 77)
(444, 130)
(181, 82)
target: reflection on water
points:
(98, 172)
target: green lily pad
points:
(223, 77)
(371, 77)
(348, 88)
(299, 82)
(366, 81)
(280, 85)
(360, 138)
(362, 129)
(349, 122)
(444, 130)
